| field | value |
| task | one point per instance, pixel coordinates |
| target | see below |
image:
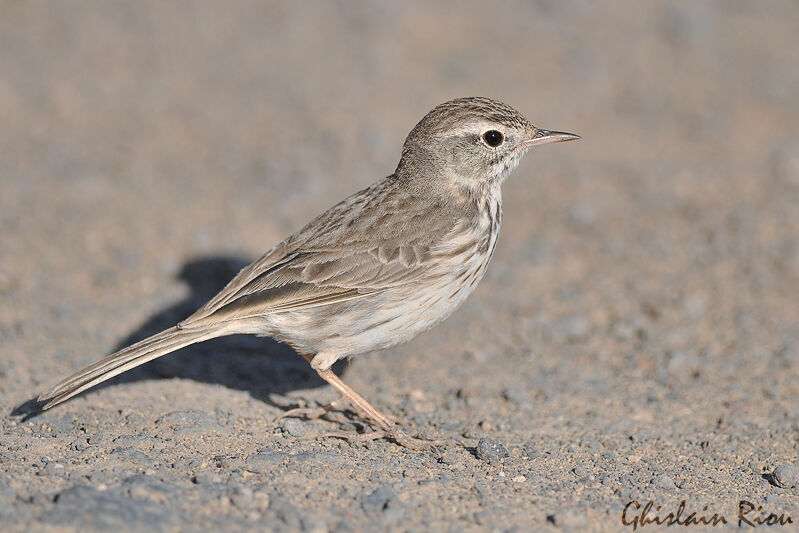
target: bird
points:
(374, 270)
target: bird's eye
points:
(493, 138)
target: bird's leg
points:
(312, 413)
(358, 402)
(364, 409)
(368, 411)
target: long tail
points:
(122, 361)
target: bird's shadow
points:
(259, 365)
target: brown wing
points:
(371, 241)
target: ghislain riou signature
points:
(637, 516)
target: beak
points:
(546, 137)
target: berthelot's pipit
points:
(374, 270)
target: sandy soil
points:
(636, 336)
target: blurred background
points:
(648, 273)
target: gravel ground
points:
(636, 336)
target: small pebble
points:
(205, 477)
(491, 451)
(785, 476)
(242, 497)
(264, 461)
(579, 471)
(773, 498)
(294, 427)
(378, 500)
(663, 481)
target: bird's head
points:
(475, 141)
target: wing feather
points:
(363, 245)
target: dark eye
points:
(493, 138)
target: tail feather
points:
(122, 361)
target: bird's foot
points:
(387, 424)
(418, 443)
(312, 413)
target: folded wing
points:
(362, 246)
